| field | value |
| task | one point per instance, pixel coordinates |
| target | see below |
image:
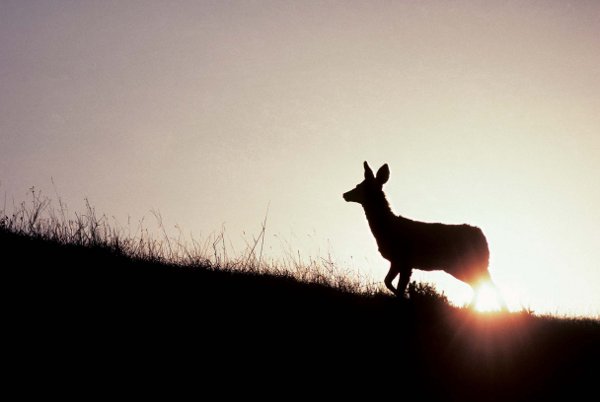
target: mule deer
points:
(460, 250)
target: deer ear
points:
(368, 172)
(383, 174)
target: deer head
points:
(370, 186)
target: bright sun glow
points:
(487, 299)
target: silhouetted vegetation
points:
(90, 306)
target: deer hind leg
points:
(499, 297)
(497, 294)
(475, 297)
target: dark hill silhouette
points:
(93, 318)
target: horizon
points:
(219, 115)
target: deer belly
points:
(466, 267)
(452, 260)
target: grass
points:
(94, 303)
(39, 220)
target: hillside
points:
(95, 317)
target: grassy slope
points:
(93, 317)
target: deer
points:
(459, 250)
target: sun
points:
(487, 298)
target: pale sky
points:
(487, 113)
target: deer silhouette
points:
(460, 250)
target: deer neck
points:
(379, 215)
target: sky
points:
(213, 112)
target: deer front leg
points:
(391, 275)
(403, 281)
